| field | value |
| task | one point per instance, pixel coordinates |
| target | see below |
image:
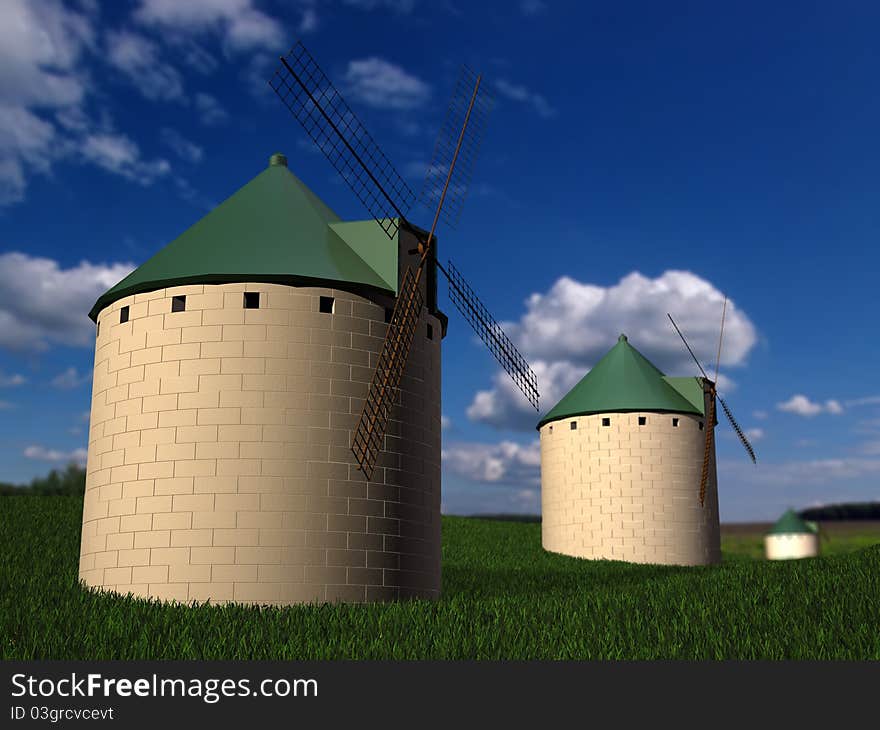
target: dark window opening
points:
(642, 420)
(252, 300)
(551, 429)
(701, 425)
(123, 315)
(675, 423)
(99, 329)
(178, 304)
(388, 313)
(430, 332)
(326, 305)
(606, 421)
(574, 425)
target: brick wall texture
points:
(219, 465)
(791, 546)
(628, 492)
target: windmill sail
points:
(467, 111)
(711, 416)
(316, 104)
(369, 437)
(484, 324)
(739, 432)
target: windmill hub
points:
(278, 160)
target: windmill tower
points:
(792, 538)
(621, 457)
(265, 419)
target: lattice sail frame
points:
(712, 419)
(316, 104)
(369, 437)
(484, 324)
(445, 148)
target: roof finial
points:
(622, 338)
(278, 159)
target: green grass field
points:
(503, 598)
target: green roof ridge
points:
(274, 228)
(792, 523)
(623, 380)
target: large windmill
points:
(710, 388)
(323, 113)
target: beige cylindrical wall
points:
(219, 464)
(789, 546)
(627, 491)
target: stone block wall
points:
(627, 491)
(219, 465)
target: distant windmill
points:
(316, 104)
(710, 388)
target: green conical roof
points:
(790, 523)
(272, 229)
(624, 380)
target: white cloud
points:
(41, 453)
(532, 7)
(238, 22)
(813, 472)
(871, 400)
(41, 303)
(257, 72)
(41, 44)
(211, 113)
(834, 407)
(760, 415)
(120, 155)
(383, 85)
(503, 463)
(70, 379)
(140, 60)
(25, 143)
(565, 331)
(192, 195)
(398, 6)
(194, 55)
(505, 407)
(445, 423)
(10, 381)
(43, 89)
(802, 406)
(754, 434)
(309, 21)
(184, 148)
(763, 492)
(415, 169)
(520, 93)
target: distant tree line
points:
(71, 480)
(846, 511)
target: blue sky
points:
(641, 158)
